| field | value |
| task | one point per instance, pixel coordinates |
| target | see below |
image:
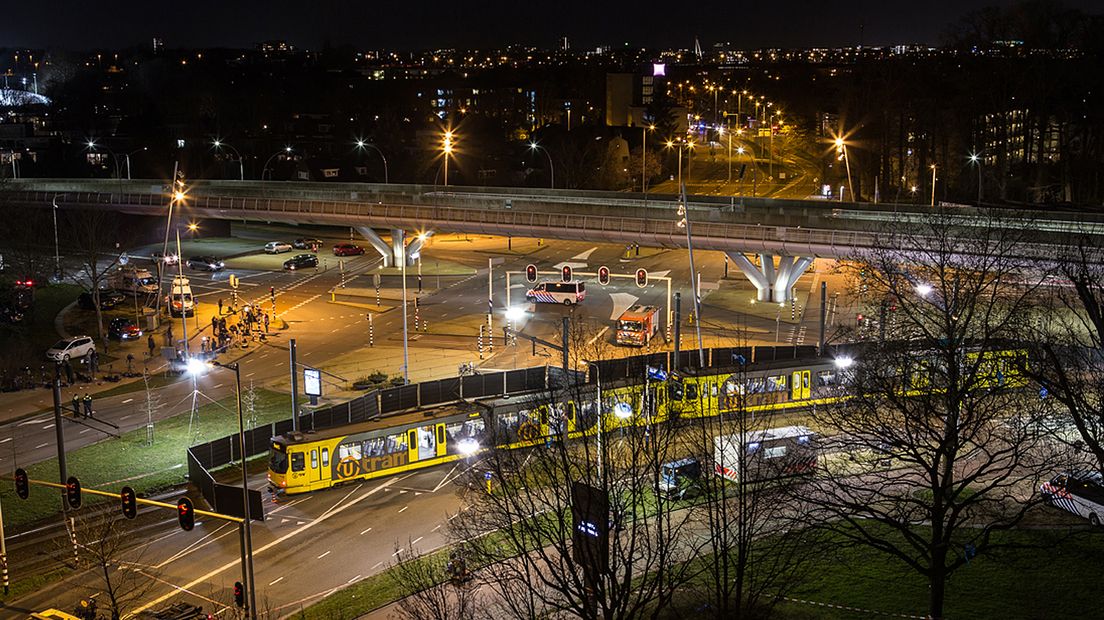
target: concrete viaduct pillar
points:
(392, 253)
(771, 284)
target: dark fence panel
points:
(728, 357)
(199, 476)
(517, 381)
(534, 378)
(477, 386)
(220, 451)
(284, 426)
(228, 501)
(389, 401)
(408, 396)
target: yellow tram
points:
(302, 462)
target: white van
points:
(133, 280)
(566, 293)
(180, 300)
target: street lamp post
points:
(361, 144)
(841, 148)
(241, 166)
(446, 147)
(533, 146)
(284, 151)
(57, 246)
(127, 156)
(933, 186)
(196, 367)
(974, 159)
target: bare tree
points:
(1068, 346)
(91, 236)
(106, 549)
(518, 518)
(434, 587)
(753, 547)
(940, 398)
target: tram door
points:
(799, 386)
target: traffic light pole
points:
(60, 434)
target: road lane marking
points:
(251, 374)
(29, 422)
(400, 510)
(437, 528)
(366, 531)
(598, 335)
(43, 445)
(377, 565)
(415, 541)
(272, 583)
(84, 431)
(5, 440)
(128, 401)
(353, 579)
(236, 562)
(48, 426)
(322, 556)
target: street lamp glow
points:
(839, 143)
(216, 144)
(844, 362)
(515, 314)
(360, 144)
(468, 446)
(287, 149)
(193, 226)
(923, 290)
(195, 366)
(973, 158)
(179, 196)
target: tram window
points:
(298, 461)
(314, 459)
(691, 391)
(713, 389)
(571, 411)
(325, 457)
(825, 378)
(279, 462)
(349, 450)
(756, 386)
(776, 384)
(441, 433)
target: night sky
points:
(419, 24)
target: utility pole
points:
(294, 387)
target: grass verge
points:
(111, 464)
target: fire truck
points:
(637, 325)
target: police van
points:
(1079, 492)
(566, 293)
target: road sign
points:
(603, 275)
(641, 278)
(531, 273)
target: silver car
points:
(277, 247)
(70, 348)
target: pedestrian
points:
(68, 372)
(169, 336)
(76, 404)
(203, 345)
(266, 323)
(94, 362)
(214, 323)
(152, 344)
(88, 405)
(220, 308)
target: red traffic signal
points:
(603, 275)
(531, 273)
(565, 273)
(73, 492)
(22, 484)
(185, 513)
(642, 278)
(239, 594)
(129, 502)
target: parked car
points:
(301, 261)
(122, 328)
(347, 249)
(306, 242)
(108, 300)
(205, 263)
(71, 348)
(168, 259)
(277, 247)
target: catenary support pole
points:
(294, 387)
(823, 315)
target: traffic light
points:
(565, 273)
(603, 275)
(642, 278)
(239, 594)
(185, 514)
(22, 484)
(129, 501)
(531, 273)
(73, 492)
